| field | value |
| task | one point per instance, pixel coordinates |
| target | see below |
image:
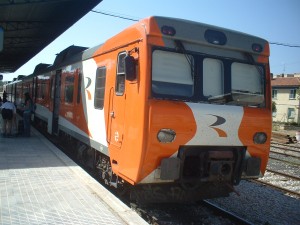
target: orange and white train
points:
(172, 109)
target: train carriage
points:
(173, 109)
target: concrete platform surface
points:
(40, 185)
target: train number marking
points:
(116, 136)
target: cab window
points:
(120, 76)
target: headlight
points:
(166, 135)
(260, 138)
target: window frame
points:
(120, 75)
(173, 84)
(42, 87)
(292, 95)
(79, 87)
(198, 75)
(291, 113)
(102, 87)
(205, 76)
(69, 81)
(274, 93)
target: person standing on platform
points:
(27, 110)
(8, 111)
(4, 97)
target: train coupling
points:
(204, 164)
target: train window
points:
(26, 88)
(79, 87)
(247, 83)
(52, 88)
(19, 96)
(120, 79)
(213, 77)
(172, 74)
(100, 88)
(41, 89)
(69, 89)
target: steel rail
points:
(286, 149)
(285, 154)
(225, 213)
(277, 187)
(284, 161)
(284, 174)
(292, 145)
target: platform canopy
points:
(28, 26)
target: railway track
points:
(202, 212)
(285, 154)
(284, 159)
(285, 190)
(224, 213)
(284, 174)
(294, 149)
(278, 138)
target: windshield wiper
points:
(251, 60)
(245, 92)
(221, 98)
(180, 48)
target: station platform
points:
(39, 184)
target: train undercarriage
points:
(198, 172)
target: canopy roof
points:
(30, 25)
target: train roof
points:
(193, 31)
(70, 55)
(185, 29)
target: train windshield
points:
(203, 78)
(172, 73)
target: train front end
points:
(209, 122)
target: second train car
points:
(172, 110)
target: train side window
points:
(100, 87)
(120, 78)
(41, 89)
(69, 89)
(52, 88)
(213, 77)
(79, 87)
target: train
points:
(168, 110)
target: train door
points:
(56, 102)
(117, 106)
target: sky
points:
(277, 21)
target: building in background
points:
(285, 93)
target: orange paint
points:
(256, 120)
(172, 115)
